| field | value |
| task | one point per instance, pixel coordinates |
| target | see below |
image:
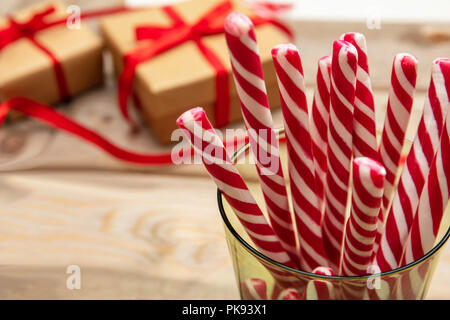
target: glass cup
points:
(270, 278)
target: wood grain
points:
(133, 235)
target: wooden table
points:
(152, 233)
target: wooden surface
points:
(135, 232)
(133, 235)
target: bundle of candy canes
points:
(336, 167)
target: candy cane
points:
(386, 289)
(320, 114)
(324, 271)
(248, 77)
(367, 192)
(410, 285)
(416, 169)
(432, 203)
(254, 289)
(320, 289)
(364, 125)
(308, 215)
(340, 128)
(207, 143)
(403, 83)
(289, 294)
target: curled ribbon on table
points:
(167, 38)
(57, 120)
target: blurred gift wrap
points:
(41, 58)
(177, 58)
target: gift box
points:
(183, 76)
(45, 59)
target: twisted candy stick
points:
(432, 203)
(207, 143)
(289, 294)
(308, 215)
(320, 114)
(364, 123)
(403, 83)
(411, 283)
(416, 168)
(248, 77)
(340, 128)
(254, 289)
(367, 192)
(385, 290)
(320, 289)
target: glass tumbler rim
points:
(255, 252)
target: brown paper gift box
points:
(181, 78)
(26, 71)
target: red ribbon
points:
(36, 23)
(166, 38)
(57, 120)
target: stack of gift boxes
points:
(168, 59)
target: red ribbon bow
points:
(17, 30)
(36, 23)
(169, 37)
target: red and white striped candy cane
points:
(412, 283)
(367, 192)
(207, 143)
(324, 271)
(289, 294)
(320, 113)
(403, 83)
(364, 123)
(385, 290)
(320, 289)
(308, 216)
(416, 168)
(432, 203)
(254, 289)
(340, 128)
(248, 77)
